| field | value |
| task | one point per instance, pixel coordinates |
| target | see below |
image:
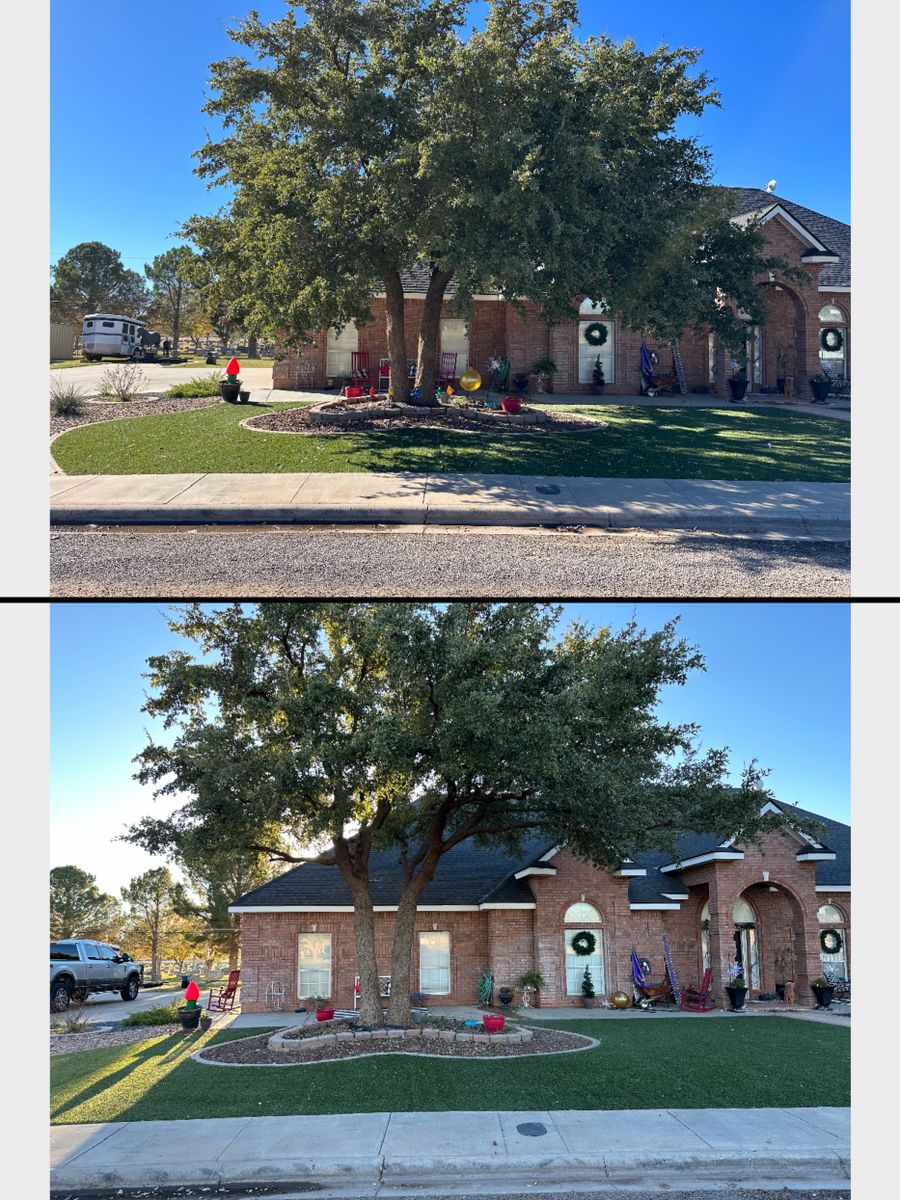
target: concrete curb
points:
(441, 515)
(816, 1168)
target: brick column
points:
(721, 937)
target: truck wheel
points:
(131, 988)
(60, 996)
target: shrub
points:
(66, 399)
(200, 385)
(73, 1021)
(121, 382)
(160, 1014)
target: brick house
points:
(765, 905)
(789, 345)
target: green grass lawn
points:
(755, 1062)
(692, 443)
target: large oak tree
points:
(515, 158)
(92, 278)
(413, 727)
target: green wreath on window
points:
(596, 333)
(831, 941)
(584, 944)
(831, 339)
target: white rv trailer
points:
(111, 335)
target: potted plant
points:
(783, 968)
(511, 404)
(520, 382)
(823, 990)
(322, 1007)
(506, 996)
(205, 1022)
(598, 382)
(821, 386)
(230, 386)
(531, 984)
(493, 1023)
(737, 988)
(544, 369)
(587, 989)
(783, 361)
(189, 1013)
(737, 382)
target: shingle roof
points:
(834, 234)
(469, 875)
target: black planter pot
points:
(245, 396)
(506, 1001)
(824, 996)
(597, 388)
(779, 383)
(210, 360)
(820, 390)
(189, 1018)
(738, 388)
(737, 996)
(230, 391)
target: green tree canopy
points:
(78, 909)
(172, 275)
(515, 158)
(91, 278)
(414, 727)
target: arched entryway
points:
(775, 940)
(782, 349)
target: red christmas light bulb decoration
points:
(233, 368)
(192, 992)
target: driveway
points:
(158, 378)
(109, 1006)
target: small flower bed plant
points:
(160, 1014)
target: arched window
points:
(831, 315)
(829, 915)
(582, 914)
(746, 942)
(590, 311)
(832, 942)
(743, 913)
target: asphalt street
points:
(383, 561)
(277, 1192)
(109, 1006)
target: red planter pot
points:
(494, 1024)
(324, 1014)
(511, 404)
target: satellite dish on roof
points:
(770, 186)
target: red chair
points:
(447, 372)
(359, 367)
(223, 1000)
(697, 999)
(384, 374)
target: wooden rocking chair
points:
(359, 367)
(697, 999)
(223, 1000)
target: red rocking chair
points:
(359, 369)
(697, 999)
(447, 373)
(223, 1000)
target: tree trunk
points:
(401, 957)
(396, 335)
(154, 955)
(366, 961)
(429, 331)
(176, 323)
(253, 346)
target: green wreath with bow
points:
(831, 941)
(596, 333)
(831, 339)
(584, 944)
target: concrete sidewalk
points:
(815, 510)
(671, 1147)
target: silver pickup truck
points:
(79, 966)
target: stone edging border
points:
(209, 1062)
(281, 1041)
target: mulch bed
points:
(110, 410)
(67, 1043)
(297, 420)
(254, 1051)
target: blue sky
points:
(126, 96)
(776, 688)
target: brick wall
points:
(513, 941)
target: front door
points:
(747, 944)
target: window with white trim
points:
(313, 965)
(834, 961)
(455, 339)
(340, 347)
(576, 964)
(434, 964)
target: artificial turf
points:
(741, 1062)
(638, 442)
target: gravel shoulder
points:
(68, 1043)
